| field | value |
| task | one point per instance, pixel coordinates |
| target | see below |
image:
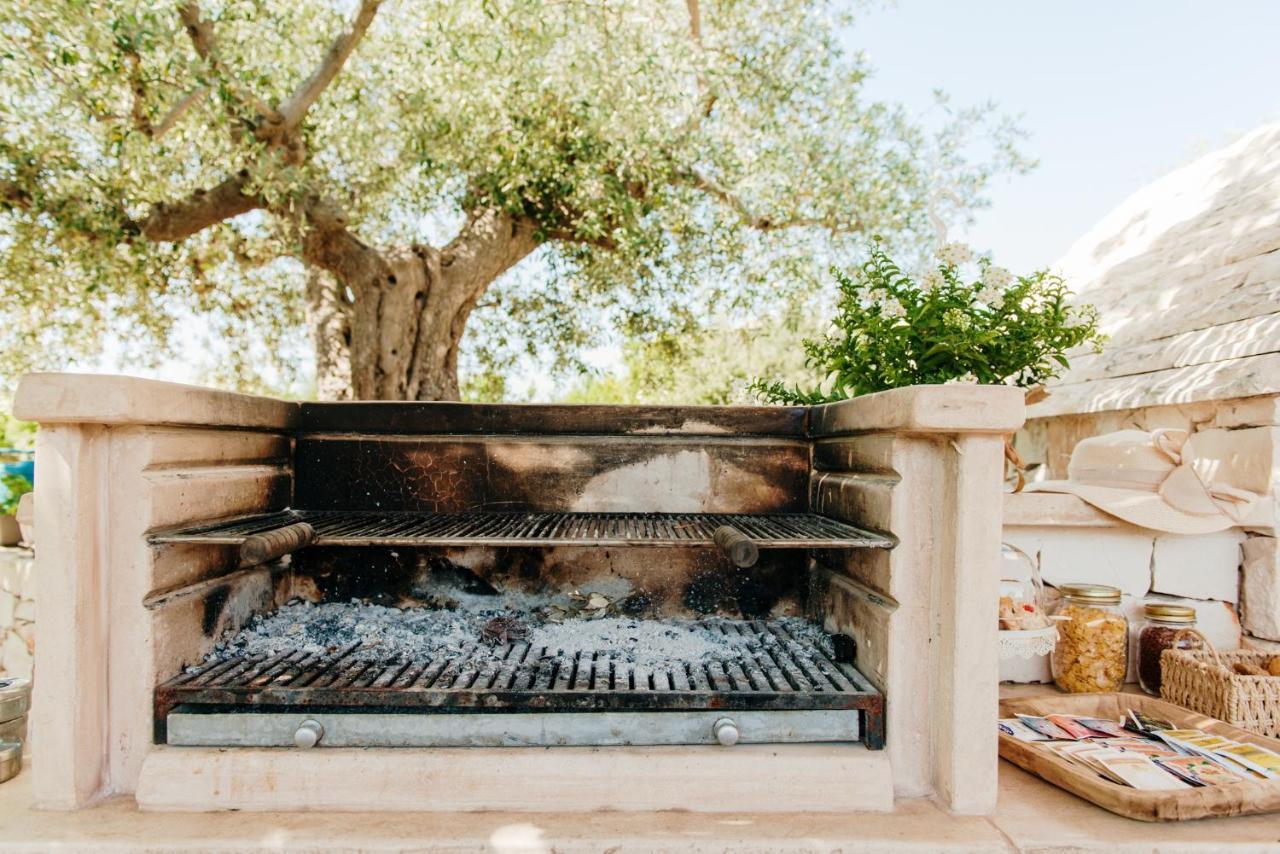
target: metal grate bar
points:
(335, 528)
(784, 673)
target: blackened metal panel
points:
(490, 419)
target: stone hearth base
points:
(751, 778)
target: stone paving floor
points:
(1032, 817)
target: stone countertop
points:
(1032, 817)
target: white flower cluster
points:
(957, 319)
(955, 254)
(997, 277)
(932, 280)
(890, 307)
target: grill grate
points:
(339, 528)
(777, 672)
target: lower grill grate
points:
(777, 672)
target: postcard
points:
(1044, 727)
(1198, 770)
(1072, 727)
(1253, 757)
(1142, 773)
(1103, 727)
(1020, 731)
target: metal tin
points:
(14, 730)
(15, 698)
(10, 759)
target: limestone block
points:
(1201, 566)
(1217, 621)
(25, 611)
(1261, 410)
(1260, 587)
(1121, 558)
(15, 655)
(8, 604)
(1260, 644)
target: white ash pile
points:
(386, 634)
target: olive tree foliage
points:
(370, 170)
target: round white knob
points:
(726, 732)
(308, 734)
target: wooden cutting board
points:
(1244, 798)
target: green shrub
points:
(17, 486)
(890, 330)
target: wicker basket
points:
(1203, 681)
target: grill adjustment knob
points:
(726, 731)
(308, 734)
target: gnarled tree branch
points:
(293, 110)
(200, 31)
(12, 196)
(703, 182)
(171, 118)
(174, 221)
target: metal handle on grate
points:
(726, 731)
(259, 548)
(308, 734)
(739, 548)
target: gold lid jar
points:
(1092, 653)
(1165, 626)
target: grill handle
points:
(737, 546)
(259, 548)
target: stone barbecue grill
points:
(833, 565)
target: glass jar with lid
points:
(1092, 653)
(1164, 626)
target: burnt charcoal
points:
(635, 604)
(373, 574)
(501, 631)
(755, 598)
(712, 591)
(446, 573)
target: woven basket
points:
(1203, 681)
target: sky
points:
(1114, 94)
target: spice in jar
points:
(1160, 631)
(1092, 653)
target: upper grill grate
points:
(363, 528)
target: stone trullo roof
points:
(1186, 277)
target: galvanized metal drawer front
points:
(193, 727)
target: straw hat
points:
(1154, 480)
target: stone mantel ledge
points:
(1029, 509)
(63, 398)
(952, 408)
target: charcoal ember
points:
(503, 630)
(445, 573)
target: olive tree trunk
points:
(388, 324)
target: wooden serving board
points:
(1244, 798)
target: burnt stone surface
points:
(604, 474)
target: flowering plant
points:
(890, 330)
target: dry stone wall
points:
(17, 612)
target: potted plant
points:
(892, 330)
(12, 487)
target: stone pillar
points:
(119, 457)
(925, 464)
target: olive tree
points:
(370, 171)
